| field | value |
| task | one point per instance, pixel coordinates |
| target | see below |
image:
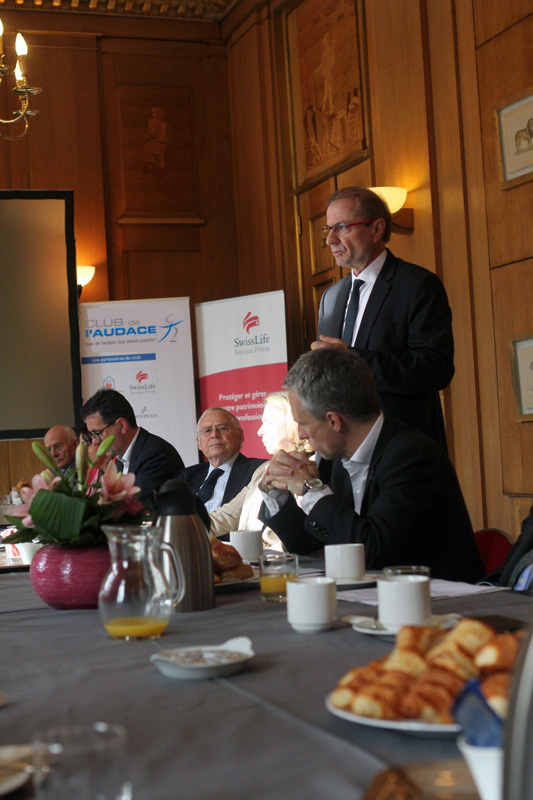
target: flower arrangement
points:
(66, 510)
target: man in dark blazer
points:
(151, 458)
(226, 471)
(402, 323)
(391, 487)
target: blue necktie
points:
(205, 492)
(351, 314)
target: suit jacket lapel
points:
(377, 297)
(339, 309)
(234, 480)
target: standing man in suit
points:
(380, 482)
(151, 458)
(394, 314)
(227, 471)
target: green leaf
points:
(58, 514)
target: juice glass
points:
(275, 569)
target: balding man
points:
(227, 471)
(61, 442)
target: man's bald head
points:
(61, 442)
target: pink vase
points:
(69, 577)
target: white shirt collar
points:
(363, 454)
(126, 458)
(371, 272)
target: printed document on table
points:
(438, 588)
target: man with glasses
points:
(226, 471)
(151, 458)
(394, 314)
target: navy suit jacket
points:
(413, 511)
(405, 337)
(240, 476)
(153, 461)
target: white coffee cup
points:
(345, 561)
(27, 550)
(486, 766)
(311, 604)
(249, 544)
(404, 597)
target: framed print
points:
(522, 374)
(325, 85)
(515, 131)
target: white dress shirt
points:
(126, 458)
(220, 487)
(369, 276)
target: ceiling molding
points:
(190, 10)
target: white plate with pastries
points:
(414, 726)
(370, 625)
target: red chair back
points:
(493, 546)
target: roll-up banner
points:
(242, 356)
(143, 349)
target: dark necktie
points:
(351, 314)
(119, 465)
(205, 492)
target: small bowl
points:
(200, 662)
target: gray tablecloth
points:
(263, 733)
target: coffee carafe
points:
(179, 517)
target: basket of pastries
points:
(427, 670)
(227, 562)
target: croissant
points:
(499, 653)
(471, 634)
(449, 655)
(382, 699)
(496, 690)
(431, 698)
(418, 638)
(407, 661)
(225, 556)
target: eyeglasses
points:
(342, 227)
(96, 436)
(219, 429)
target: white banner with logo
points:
(143, 349)
(242, 356)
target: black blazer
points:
(405, 337)
(241, 473)
(153, 461)
(413, 510)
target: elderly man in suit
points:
(61, 442)
(394, 314)
(151, 458)
(380, 482)
(226, 471)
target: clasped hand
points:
(288, 471)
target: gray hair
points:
(233, 419)
(280, 401)
(369, 205)
(334, 379)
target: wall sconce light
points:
(395, 197)
(84, 276)
(21, 88)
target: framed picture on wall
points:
(522, 374)
(514, 118)
(326, 100)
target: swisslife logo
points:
(143, 383)
(245, 345)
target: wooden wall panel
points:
(513, 316)
(494, 16)
(512, 52)
(62, 149)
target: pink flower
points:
(117, 487)
(130, 506)
(44, 480)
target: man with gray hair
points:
(61, 442)
(394, 314)
(380, 482)
(226, 471)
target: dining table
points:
(262, 733)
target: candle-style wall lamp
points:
(395, 197)
(21, 88)
(84, 275)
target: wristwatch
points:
(313, 485)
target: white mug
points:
(27, 550)
(345, 561)
(249, 544)
(311, 604)
(404, 597)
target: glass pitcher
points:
(135, 600)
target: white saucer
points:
(199, 662)
(318, 628)
(367, 580)
(366, 624)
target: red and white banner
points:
(242, 356)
